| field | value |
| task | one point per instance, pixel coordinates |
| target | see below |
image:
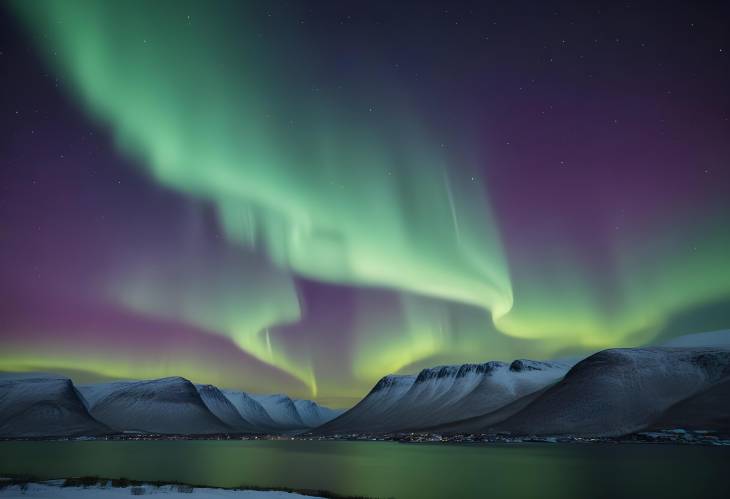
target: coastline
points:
(677, 436)
(97, 487)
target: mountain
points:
(707, 410)
(478, 424)
(313, 414)
(282, 410)
(444, 394)
(224, 409)
(239, 412)
(716, 339)
(619, 391)
(91, 394)
(44, 407)
(682, 383)
(368, 414)
(279, 413)
(251, 410)
(167, 405)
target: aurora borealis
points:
(303, 197)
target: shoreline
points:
(677, 436)
(102, 487)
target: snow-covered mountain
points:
(44, 407)
(167, 405)
(251, 410)
(707, 410)
(482, 388)
(682, 383)
(366, 414)
(224, 409)
(619, 391)
(478, 424)
(444, 394)
(47, 405)
(92, 393)
(238, 411)
(313, 414)
(282, 410)
(274, 413)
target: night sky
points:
(302, 197)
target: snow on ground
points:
(55, 491)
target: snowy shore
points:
(56, 490)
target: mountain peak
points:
(520, 365)
(392, 380)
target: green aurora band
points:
(336, 187)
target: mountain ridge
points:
(47, 405)
(682, 383)
(684, 380)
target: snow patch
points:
(56, 491)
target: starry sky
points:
(301, 197)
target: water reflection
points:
(382, 469)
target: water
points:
(385, 469)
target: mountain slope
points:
(480, 389)
(707, 410)
(251, 410)
(313, 414)
(224, 410)
(91, 394)
(282, 410)
(44, 407)
(167, 405)
(478, 424)
(368, 414)
(619, 391)
(442, 395)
